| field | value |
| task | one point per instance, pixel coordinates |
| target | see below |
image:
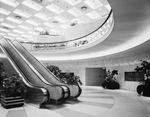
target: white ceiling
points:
(23, 20)
(130, 32)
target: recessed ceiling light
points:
(11, 34)
(76, 12)
(12, 3)
(73, 2)
(22, 13)
(42, 16)
(94, 4)
(108, 7)
(24, 27)
(4, 11)
(32, 5)
(84, 8)
(4, 30)
(2, 34)
(61, 19)
(55, 8)
(1, 19)
(93, 15)
(14, 20)
(7, 25)
(32, 22)
(49, 24)
(64, 26)
(17, 31)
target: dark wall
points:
(7, 65)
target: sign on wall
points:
(134, 76)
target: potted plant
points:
(110, 81)
(13, 90)
(144, 87)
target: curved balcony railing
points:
(78, 42)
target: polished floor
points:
(94, 102)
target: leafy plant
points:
(13, 86)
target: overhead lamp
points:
(24, 27)
(64, 26)
(74, 11)
(1, 19)
(7, 25)
(108, 7)
(2, 34)
(93, 15)
(4, 30)
(73, 2)
(32, 22)
(39, 29)
(11, 34)
(42, 16)
(55, 8)
(22, 13)
(4, 11)
(94, 4)
(27, 36)
(17, 31)
(12, 3)
(48, 24)
(14, 20)
(83, 8)
(33, 33)
(32, 5)
(61, 19)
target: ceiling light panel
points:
(76, 12)
(32, 22)
(12, 3)
(108, 7)
(73, 2)
(7, 25)
(39, 29)
(1, 19)
(4, 11)
(17, 31)
(49, 24)
(94, 15)
(94, 4)
(2, 34)
(14, 20)
(33, 33)
(61, 19)
(64, 26)
(42, 16)
(55, 8)
(78, 21)
(4, 30)
(22, 13)
(32, 5)
(11, 34)
(24, 27)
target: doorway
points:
(94, 76)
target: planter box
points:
(10, 102)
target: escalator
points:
(75, 90)
(31, 76)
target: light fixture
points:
(42, 16)
(94, 4)
(39, 29)
(14, 20)
(73, 2)
(4, 11)
(55, 8)
(12, 3)
(32, 22)
(33, 33)
(49, 25)
(61, 19)
(17, 31)
(1, 19)
(93, 15)
(74, 11)
(7, 25)
(24, 27)
(11, 34)
(22, 13)
(84, 8)
(4, 30)
(32, 5)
